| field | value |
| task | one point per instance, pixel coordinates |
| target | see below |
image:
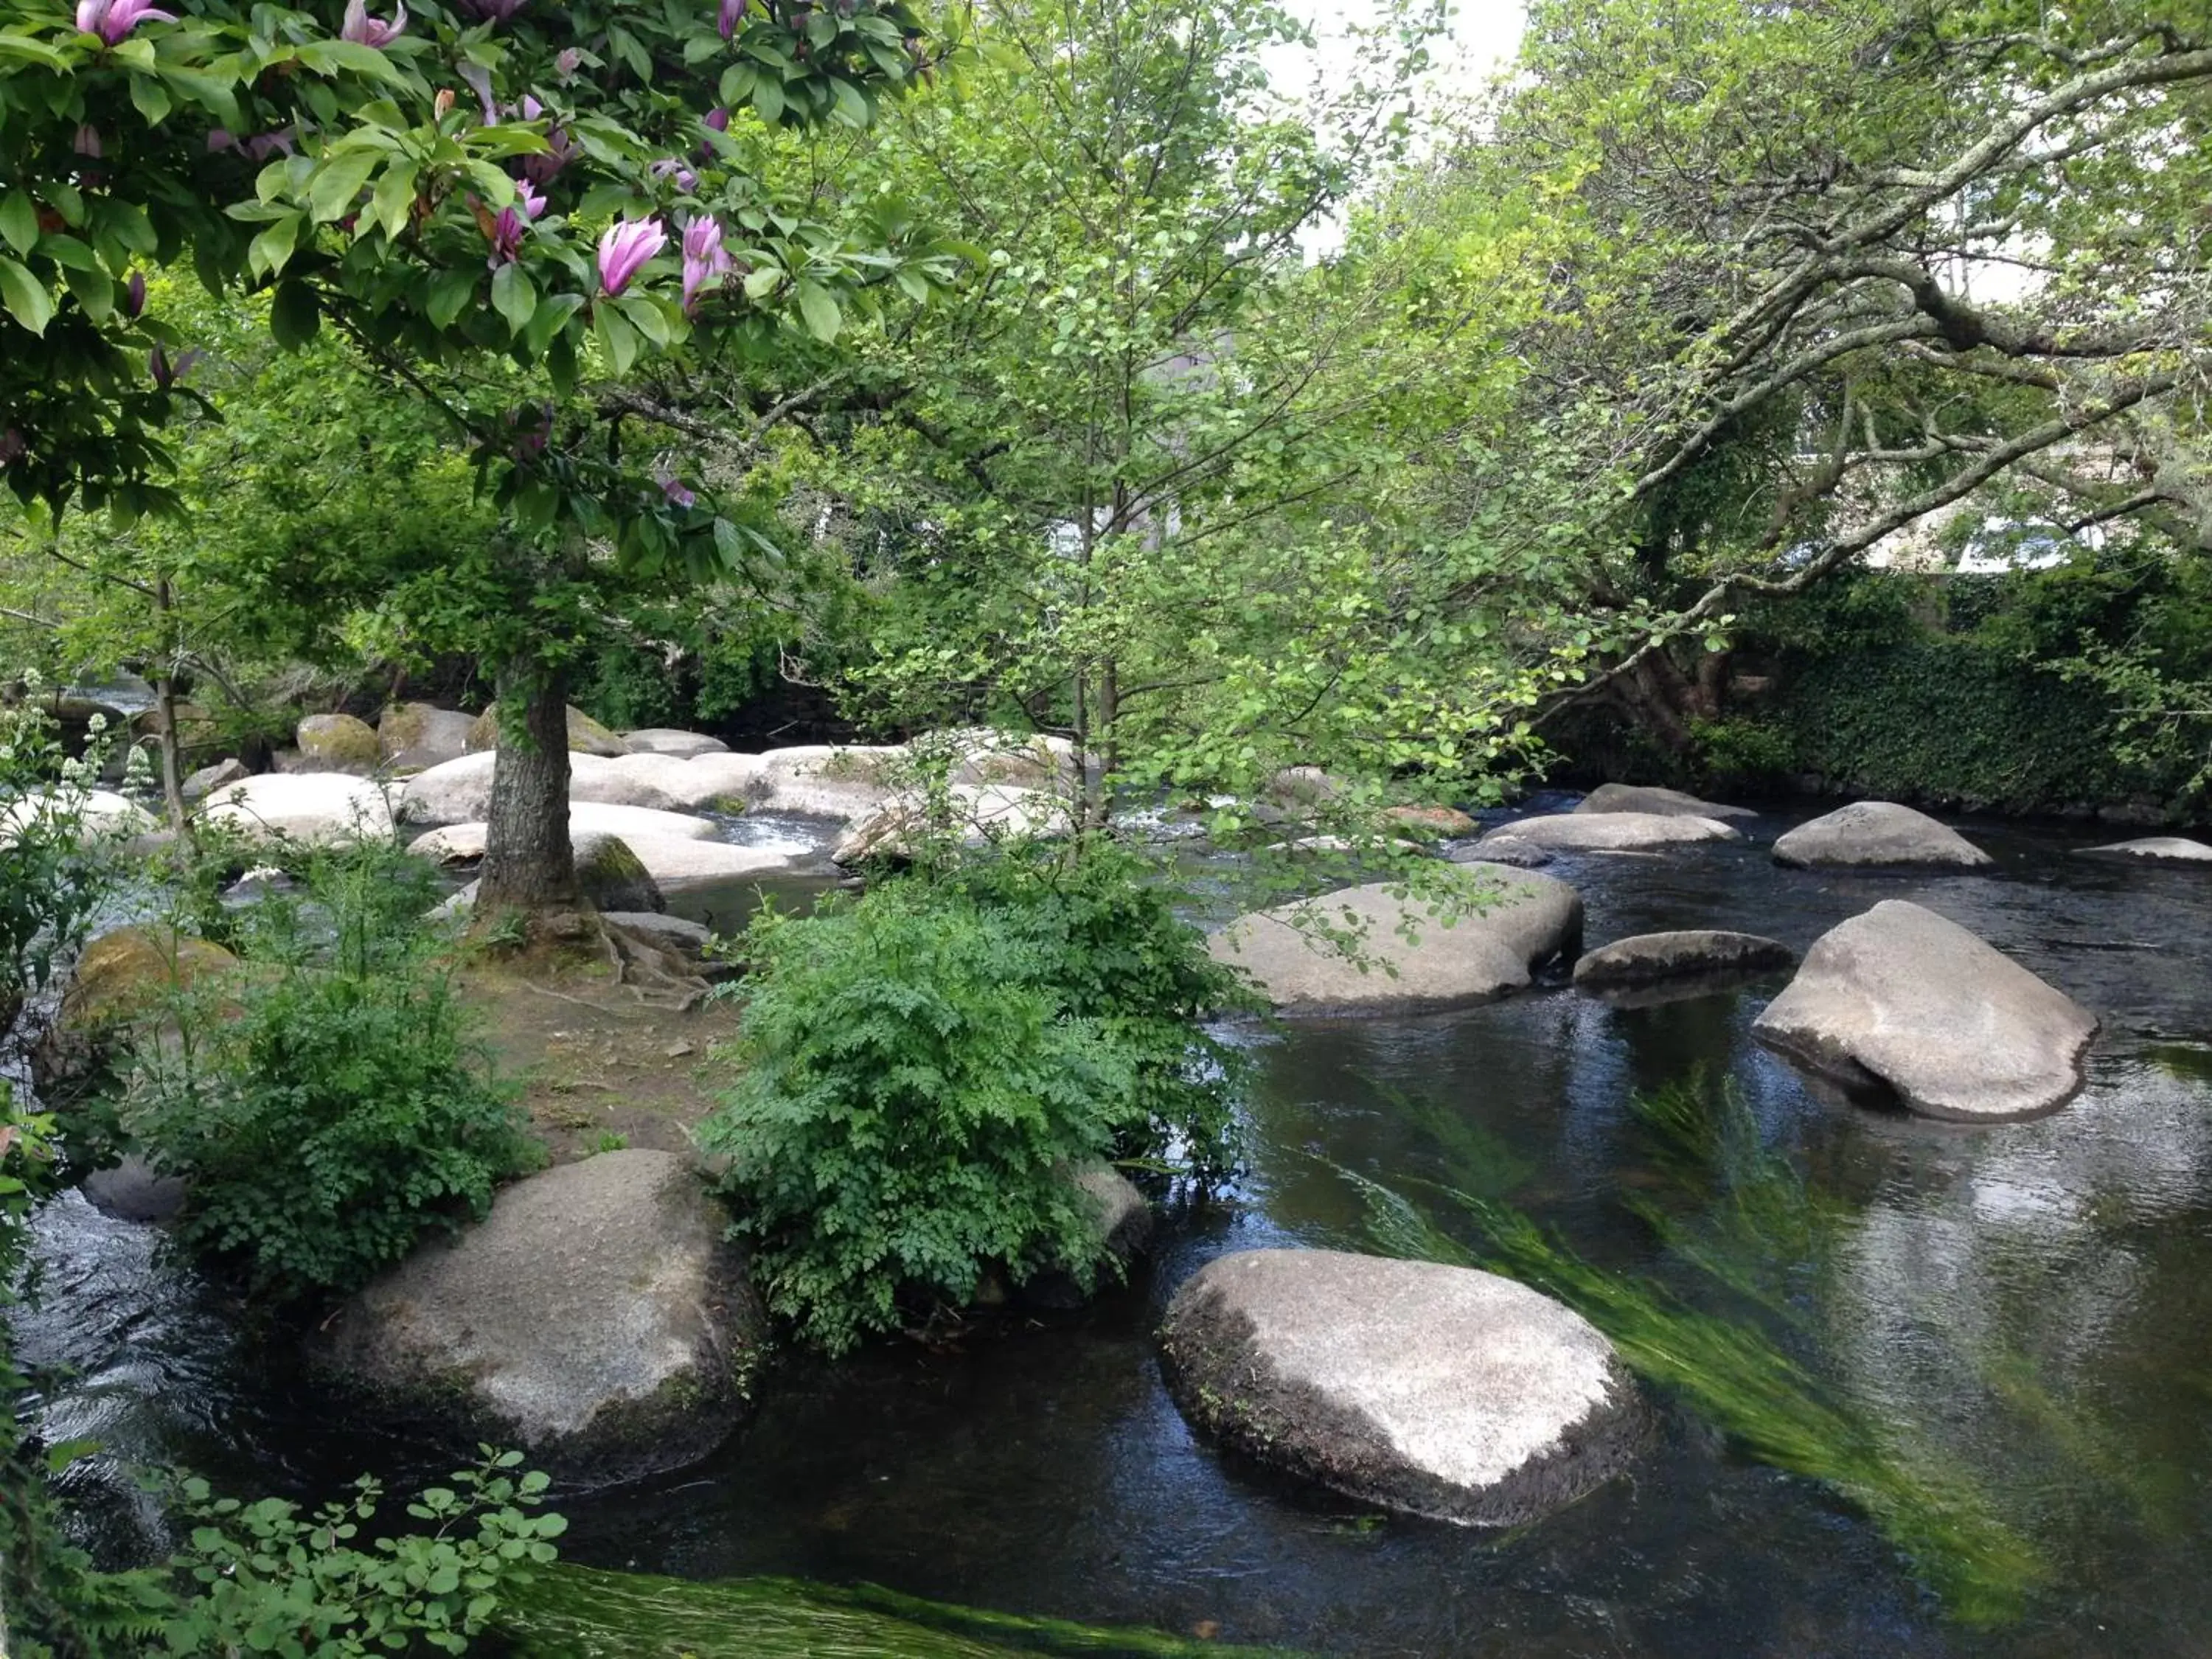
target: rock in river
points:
(1439, 1391)
(1524, 920)
(1607, 832)
(1904, 1000)
(1650, 798)
(304, 805)
(1875, 832)
(597, 1317)
(1648, 958)
(416, 735)
(337, 742)
(2159, 849)
(670, 740)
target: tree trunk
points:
(165, 704)
(528, 863)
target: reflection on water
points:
(2029, 1300)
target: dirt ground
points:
(595, 1062)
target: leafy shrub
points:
(327, 1103)
(922, 1069)
(54, 874)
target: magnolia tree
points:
(507, 205)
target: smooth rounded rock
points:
(121, 972)
(416, 735)
(667, 740)
(337, 742)
(303, 806)
(977, 816)
(1524, 920)
(1434, 1390)
(1875, 832)
(1426, 822)
(2157, 849)
(1652, 798)
(611, 875)
(209, 779)
(597, 1318)
(724, 781)
(1901, 999)
(463, 843)
(846, 781)
(1609, 832)
(585, 735)
(1649, 958)
(95, 812)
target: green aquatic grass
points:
(1744, 1218)
(584, 1613)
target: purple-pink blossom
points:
(134, 293)
(479, 78)
(87, 141)
(625, 248)
(669, 168)
(263, 145)
(505, 229)
(363, 30)
(540, 167)
(110, 20)
(673, 488)
(492, 11)
(167, 374)
(569, 61)
(705, 259)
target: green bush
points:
(327, 1103)
(54, 873)
(920, 1071)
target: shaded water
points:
(2026, 1305)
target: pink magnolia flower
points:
(492, 11)
(505, 229)
(166, 374)
(110, 20)
(540, 167)
(479, 78)
(669, 168)
(364, 30)
(625, 248)
(134, 293)
(705, 260)
(673, 488)
(733, 12)
(529, 198)
(568, 64)
(87, 143)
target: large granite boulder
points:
(823, 781)
(95, 812)
(1650, 798)
(677, 863)
(1347, 952)
(723, 781)
(302, 805)
(981, 757)
(1296, 788)
(2155, 849)
(337, 742)
(585, 735)
(1695, 952)
(1875, 832)
(1607, 832)
(667, 740)
(463, 843)
(977, 815)
(1427, 823)
(597, 1318)
(1908, 1002)
(416, 735)
(1435, 1391)
(121, 972)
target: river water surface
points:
(2026, 1311)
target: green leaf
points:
(294, 315)
(269, 252)
(819, 309)
(67, 253)
(338, 183)
(95, 290)
(513, 295)
(737, 85)
(546, 322)
(394, 203)
(648, 317)
(65, 201)
(450, 294)
(851, 107)
(19, 220)
(768, 98)
(152, 99)
(762, 281)
(24, 297)
(616, 336)
(561, 363)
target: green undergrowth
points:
(1743, 1218)
(583, 1612)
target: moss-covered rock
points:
(337, 742)
(416, 735)
(585, 735)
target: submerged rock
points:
(1524, 920)
(2162, 849)
(667, 740)
(1608, 832)
(1652, 798)
(303, 806)
(1874, 833)
(337, 742)
(1436, 1390)
(1904, 1000)
(1649, 958)
(597, 1317)
(416, 735)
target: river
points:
(2021, 1310)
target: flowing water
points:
(2021, 1312)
